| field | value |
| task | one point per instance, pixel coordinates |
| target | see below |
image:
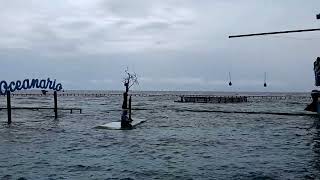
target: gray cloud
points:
(166, 42)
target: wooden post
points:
(9, 106)
(125, 99)
(130, 108)
(55, 105)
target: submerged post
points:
(9, 106)
(55, 105)
(130, 108)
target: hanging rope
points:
(265, 79)
(230, 83)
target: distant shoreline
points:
(38, 91)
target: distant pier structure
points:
(212, 99)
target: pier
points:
(212, 99)
(178, 97)
(45, 108)
(55, 108)
(151, 94)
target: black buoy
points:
(230, 83)
(265, 80)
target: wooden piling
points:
(9, 106)
(130, 108)
(55, 105)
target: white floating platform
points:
(117, 125)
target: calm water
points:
(172, 144)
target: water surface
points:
(172, 144)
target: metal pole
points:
(55, 105)
(9, 106)
(276, 32)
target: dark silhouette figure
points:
(313, 106)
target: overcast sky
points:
(170, 44)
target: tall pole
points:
(9, 106)
(276, 32)
(130, 108)
(55, 104)
(125, 96)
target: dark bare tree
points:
(128, 81)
